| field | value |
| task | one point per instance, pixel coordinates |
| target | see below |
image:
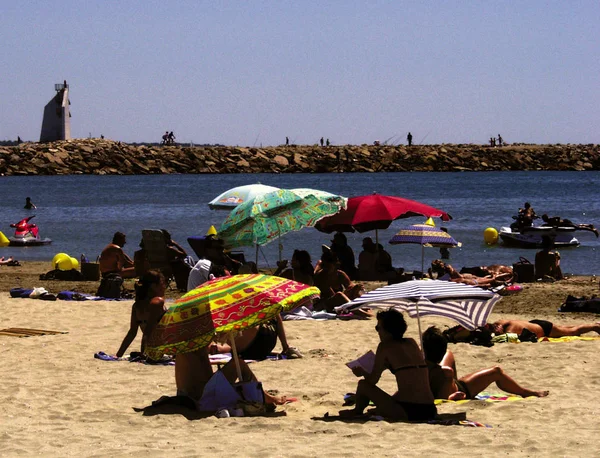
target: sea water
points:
(80, 213)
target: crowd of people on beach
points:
(422, 375)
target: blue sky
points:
(254, 72)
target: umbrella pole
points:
(422, 258)
(236, 357)
(280, 246)
(419, 325)
(256, 256)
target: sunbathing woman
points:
(301, 269)
(336, 287)
(148, 308)
(413, 401)
(9, 262)
(446, 270)
(444, 382)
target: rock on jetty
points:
(107, 157)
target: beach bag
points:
(110, 287)
(90, 271)
(252, 396)
(524, 271)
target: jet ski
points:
(524, 234)
(27, 234)
(531, 237)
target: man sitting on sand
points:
(113, 259)
(542, 328)
(444, 382)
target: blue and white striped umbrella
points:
(468, 305)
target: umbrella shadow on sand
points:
(184, 406)
(443, 417)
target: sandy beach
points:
(58, 400)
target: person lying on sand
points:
(8, 262)
(402, 357)
(443, 269)
(444, 381)
(542, 328)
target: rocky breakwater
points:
(106, 157)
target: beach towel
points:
(568, 338)
(304, 313)
(135, 357)
(75, 296)
(487, 397)
(26, 332)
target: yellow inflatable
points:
(65, 263)
(57, 257)
(3, 240)
(490, 235)
(74, 263)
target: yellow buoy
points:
(490, 235)
(65, 263)
(74, 263)
(212, 231)
(3, 240)
(57, 257)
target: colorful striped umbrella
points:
(267, 217)
(425, 235)
(225, 305)
(468, 305)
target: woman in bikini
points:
(444, 382)
(147, 310)
(402, 357)
(301, 269)
(336, 287)
(453, 275)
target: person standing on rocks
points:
(171, 138)
(165, 138)
(500, 141)
(409, 139)
(327, 142)
(287, 141)
(321, 141)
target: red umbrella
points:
(367, 213)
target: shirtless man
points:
(444, 381)
(543, 328)
(113, 259)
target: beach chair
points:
(155, 247)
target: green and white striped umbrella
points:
(267, 217)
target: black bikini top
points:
(402, 368)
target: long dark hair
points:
(143, 285)
(303, 258)
(393, 322)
